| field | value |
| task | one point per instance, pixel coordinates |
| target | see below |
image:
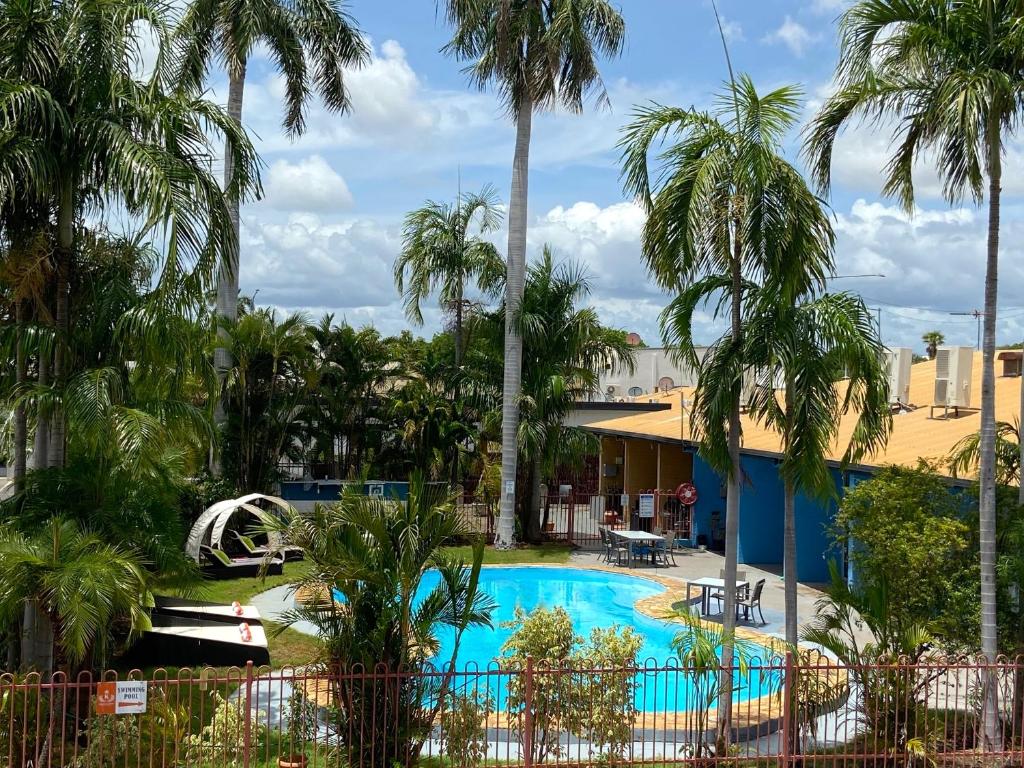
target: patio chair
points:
(612, 546)
(219, 566)
(665, 550)
(719, 595)
(748, 604)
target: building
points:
(655, 371)
(654, 449)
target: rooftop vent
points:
(897, 363)
(953, 369)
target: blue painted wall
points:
(761, 516)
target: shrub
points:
(597, 706)
(464, 728)
(222, 740)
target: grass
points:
(551, 554)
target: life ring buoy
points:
(687, 494)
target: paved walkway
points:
(692, 564)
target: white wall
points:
(652, 365)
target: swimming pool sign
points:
(124, 697)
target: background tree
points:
(539, 54)
(724, 208)
(439, 253)
(933, 340)
(565, 350)
(828, 355)
(949, 75)
(313, 35)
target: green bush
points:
(596, 706)
(464, 729)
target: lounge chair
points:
(254, 550)
(219, 566)
(748, 604)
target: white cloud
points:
(733, 31)
(829, 6)
(793, 35)
(310, 184)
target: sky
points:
(326, 234)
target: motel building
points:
(647, 446)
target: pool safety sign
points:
(127, 697)
(646, 505)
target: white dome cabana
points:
(213, 521)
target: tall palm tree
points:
(828, 355)
(949, 74)
(438, 252)
(539, 54)
(315, 34)
(101, 138)
(723, 208)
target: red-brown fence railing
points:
(786, 710)
(576, 518)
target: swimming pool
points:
(592, 598)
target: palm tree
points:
(80, 585)
(315, 33)
(933, 340)
(101, 138)
(539, 54)
(949, 74)
(724, 208)
(828, 354)
(963, 459)
(438, 251)
(376, 553)
(263, 390)
(565, 349)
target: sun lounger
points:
(253, 550)
(219, 565)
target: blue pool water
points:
(592, 599)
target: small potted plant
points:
(302, 727)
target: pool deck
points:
(692, 564)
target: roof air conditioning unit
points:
(897, 362)
(953, 372)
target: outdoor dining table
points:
(632, 538)
(706, 584)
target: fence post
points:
(528, 715)
(571, 521)
(247, 728)
(788, 696)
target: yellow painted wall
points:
(676, 467)
(641, 465)
(611, 448)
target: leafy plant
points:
(598, 706)
(464, 728)
(221, 741)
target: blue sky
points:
(326, 234)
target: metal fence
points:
(576, 518)
(785, 710)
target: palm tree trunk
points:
(65, 242)
(458, 325)
(227, 276)
(789, 536)
(987, 469)
(40, 448)
(732, 520)
(516, 275)
(20, 376)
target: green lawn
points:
(288, 647)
